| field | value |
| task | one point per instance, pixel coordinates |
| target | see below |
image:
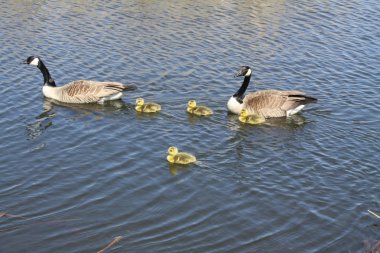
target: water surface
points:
(81, 175)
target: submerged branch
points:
(11, 215)
(369, 248)
(374, 214)
(117, 239)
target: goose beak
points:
(24, 62)
(238, 74)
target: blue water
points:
(77, 176)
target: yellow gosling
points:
(179, 157)
(198, 110)
(141, 106)
(250, 119)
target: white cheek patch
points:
(249, 72)
(234, 106)
(35, 62)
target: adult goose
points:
(80, 91)
(266, 103)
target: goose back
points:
(274, 103)
(85, 91)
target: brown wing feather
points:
(86, 91)
(272, 103)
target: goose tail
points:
(309, 100)
(305, 99)
(129, 87)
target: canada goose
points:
(266, 103)
(250, 119)
(198, 110)
(179, 157)
(141, 106)
(80, 91)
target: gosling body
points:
(267, 103)
(179, 157)
(250, 119)
(198, 110)
(150, 107)
(79, 91)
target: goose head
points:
(139, 101)
(235, 103)
(172, 151)
(244, 71)
(32, 60)
(243, 113)
(36, 61)
(192, 104)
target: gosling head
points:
(192, 104)
(244, 71)
(32, 60)
(172, 151)
(243, 113)
(139, 101)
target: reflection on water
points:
(42, 122)
(288, 185)
(293, 122)
(99, 111)
(108, 106)
(174, 169)
(144, 115)
(35, 129)
(94, 110)
(194, 119)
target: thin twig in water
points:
(373, 213)
(117, 239)
(11, 215)
(369, 248)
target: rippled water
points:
(81, 175)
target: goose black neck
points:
(243, 87)
(48, 80)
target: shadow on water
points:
(45, 119)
